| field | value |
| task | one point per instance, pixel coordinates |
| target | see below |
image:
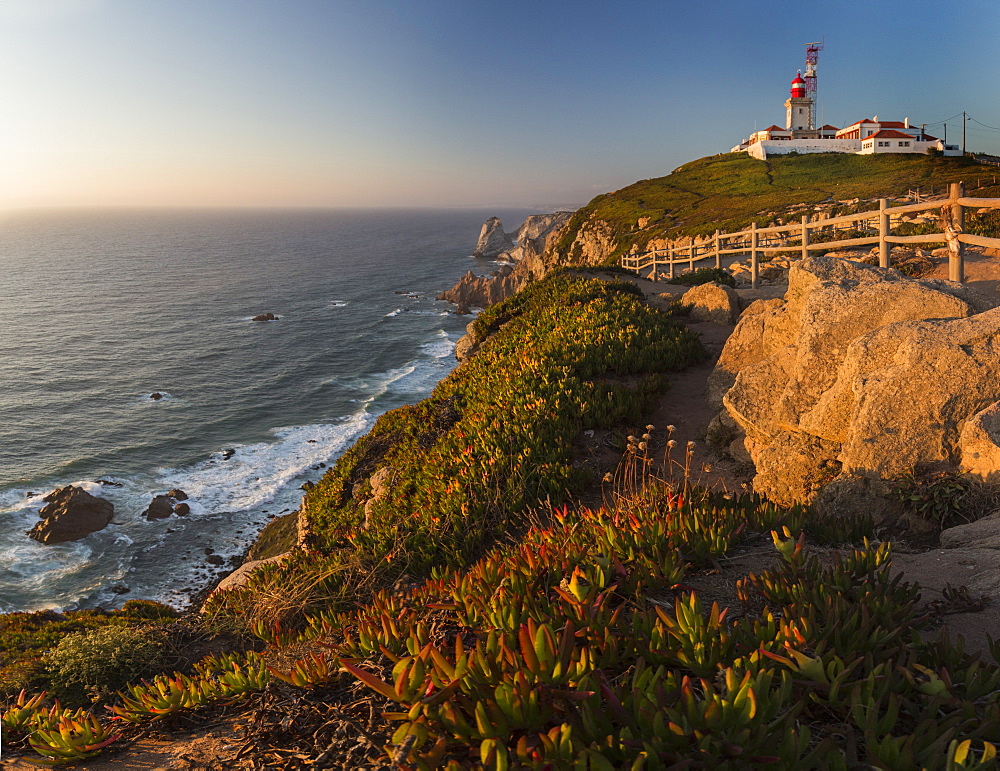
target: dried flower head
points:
(671, 428)
(672, 443)
(649, 427)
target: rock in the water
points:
(156, 396)
(492, 240)
(713, 302)
(160, 507)
(71, 514)
(859, 373)
(265, 317)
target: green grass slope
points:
(730, 191)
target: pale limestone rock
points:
(857, 370)
(980, 443)
(492, 240)
(757, 336)
(713, 302)
(241, 575)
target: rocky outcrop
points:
(538, 233)
(467, 344)
(492, 240)
(71, 514)
(265, 317)
(713, 302)
(241, 575)
(474, 291)
(857, 375)
(162, 506)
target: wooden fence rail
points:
(760, 241)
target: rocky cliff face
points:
(492, 240)
(855, 377)
(533, 239)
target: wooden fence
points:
(756, 241)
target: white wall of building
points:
(760, 150)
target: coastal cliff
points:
(523, 250)
(725, 192)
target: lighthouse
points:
(798, 107)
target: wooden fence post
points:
(718, 254)
(655, 276)
(670, 256)
(691, 256)
(883, 231)
(956, 260)
(805, 236)
(754, 260)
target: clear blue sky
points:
(446, 102)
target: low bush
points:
(704, 276)
(101, 661)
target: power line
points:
(939, 122)
(994, 128)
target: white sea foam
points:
(338, 303)
(396, 312)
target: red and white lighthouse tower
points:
(799, 86)
(799, 106)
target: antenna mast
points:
(812, 59)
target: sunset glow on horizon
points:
(446, 102)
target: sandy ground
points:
(214, 746)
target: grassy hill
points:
(730, 191)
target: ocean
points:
(101, 309)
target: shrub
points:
(704, 276)
(100, 661)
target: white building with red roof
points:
(864, 137)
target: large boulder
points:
(980, 443)
(713, 302)
(492, 240)
(71, 514)
(857, 375)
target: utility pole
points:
(963, 132)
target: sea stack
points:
(492, 240)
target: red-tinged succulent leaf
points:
(370, 680)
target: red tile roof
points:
(892, 124)
(828, 127)
(889, 134)
(775, 128)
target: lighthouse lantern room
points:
(798, 107)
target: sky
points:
(330, 103)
